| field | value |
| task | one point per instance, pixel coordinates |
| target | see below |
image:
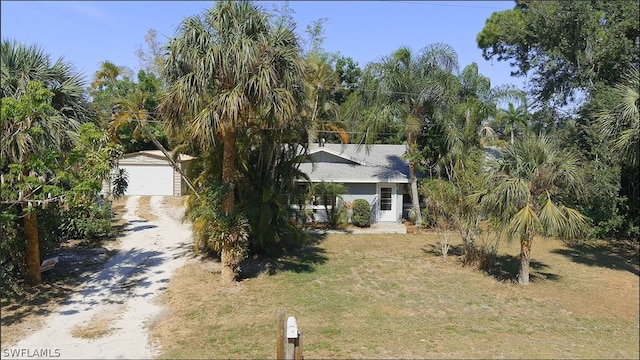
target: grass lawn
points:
(393, 296)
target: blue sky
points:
(89, 32)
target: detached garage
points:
(150, 173)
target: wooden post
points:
(280, 345)
(298, 350)
(289, 342)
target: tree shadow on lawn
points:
(505, 267)
(298, 260)
(617, 255)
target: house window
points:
(385, 198)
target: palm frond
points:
(552, 218)
(524, 222)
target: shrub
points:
(328, 194)
(361, 213)
(90, 223)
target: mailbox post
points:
(289, 345)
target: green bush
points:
(90, 223)
(329, 195)
(361, 213)
(12, 253)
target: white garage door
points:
(149, 179)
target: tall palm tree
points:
(322, 83)
(514, 119)
(228, 69)
(408, 90)
(59, 93)
(475, 103)
(520, 192)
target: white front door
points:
(387, 202)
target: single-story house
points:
(150, 173)
(378, 174)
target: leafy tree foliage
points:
(43, 144)
(122, 104)
(447, 202)
(565, 45)
(619, 123)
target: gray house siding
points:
(367, 173)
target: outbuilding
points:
(150, 173)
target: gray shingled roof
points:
(382, 163)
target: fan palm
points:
(622, 122)
(227, 70)
(56, 93)
(520, 193)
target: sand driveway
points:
(110, 315)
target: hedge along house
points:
(150, 173)
(379, 175)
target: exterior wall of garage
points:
(155, 170)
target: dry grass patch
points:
(391, 296)
(174, 201)
(175, 206)
(144, 210)
(100, 325)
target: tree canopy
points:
(564, 46)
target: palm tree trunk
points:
(227, 271)
(415, 202)
(228, 177)
(413, 181)
(525, 259)
(228, 166)
(34, 275)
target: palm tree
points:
(322, 83)
(108, 74)
(228, 69)
(622, 121)
(57, 93)
(520, 190)
(408, 90)
(621, 124)
(514, 118)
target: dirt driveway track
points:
(108, 318)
